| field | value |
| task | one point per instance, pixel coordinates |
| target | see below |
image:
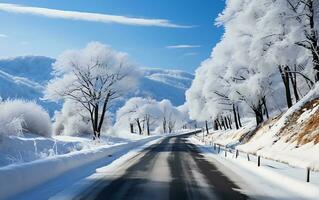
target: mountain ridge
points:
(26, 76)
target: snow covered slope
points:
(292, 137)
(25, 77)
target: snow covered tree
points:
(149, 115)
(260, 55)
(92, 77)
(307, 16)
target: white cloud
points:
(182, 46)
(86, 16)
(3, 35)
(191, 54)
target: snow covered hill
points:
(26, 77)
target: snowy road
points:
(170, 169)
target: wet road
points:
(171, 169)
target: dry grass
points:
(305, 131)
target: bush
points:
(19, 116)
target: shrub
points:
(19, 116)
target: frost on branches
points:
(143, 116)
(266, 60)
(91, 79)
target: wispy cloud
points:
(182, 46)
(191, 54)
(86, 16)
(3, 35)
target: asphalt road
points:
(171, 169)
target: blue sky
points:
(181, 39)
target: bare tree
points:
(93, 89)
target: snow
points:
(272, 180)
(278, 138)
(270, 144)
(42, 170)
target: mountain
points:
(25, 77)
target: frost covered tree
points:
(148, 115)
(92, 78)
(307, 16)
(268, 49)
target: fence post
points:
(258, 161)
(214, 146)
(218, 148)
(248, 157)
(308, 174)
(225, 151)
(236, 153)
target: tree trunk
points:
(139, 126)
(229, 122)
(164, 124)
(103, 114)
(238, 117)
(223, 123)
(93, 124)
(132, 128)
(285, 78)
(265, 107)
(215, 125)
(293, 79)
(148, 124)
(259, 114)
(219, 124)
(235, 117)
(226, 122)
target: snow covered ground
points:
(272, 180)
(29, 162)
(15, 150)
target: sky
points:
(169, 34)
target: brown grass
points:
(303, 132)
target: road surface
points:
(171, 169)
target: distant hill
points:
(25, 77)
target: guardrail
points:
(219, 147)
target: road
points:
(171, 169)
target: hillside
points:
(291, 137)
(27, 76)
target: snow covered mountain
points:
(25, 77)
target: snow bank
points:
(272, 180)
(18, 178)
(19, 116)
(15, 150)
